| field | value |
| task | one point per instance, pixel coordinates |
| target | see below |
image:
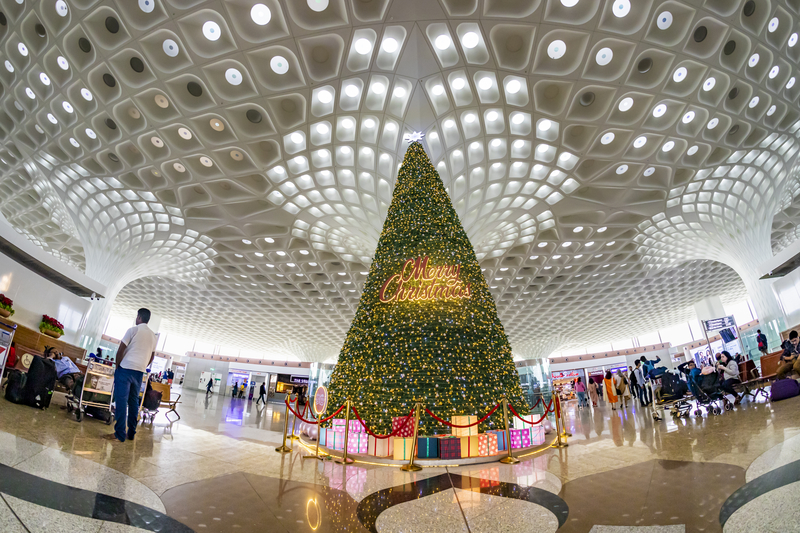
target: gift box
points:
(450, 447)
(322, 434)
(470, 446)
(355, 425)
(380, 447)
(520, 438)
(463, 421)
(402, 448)
(335, 438)
(357, 443)
(404, 431)
(502, 444)
(487, 444)
(537, 435)
(428, 447)
(521, 424)
(338, 422)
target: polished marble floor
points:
(216, 470)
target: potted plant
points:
(50, 326)
(6, 306)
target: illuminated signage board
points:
(419, 282)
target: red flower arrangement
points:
(49, 323)
(6, 304)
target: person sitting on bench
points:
(67, 372)
(789, 359)
(692, 374)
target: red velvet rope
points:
(446, 423)
(313, 421)
(394, 432)
(528, 421)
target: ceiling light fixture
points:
(664, 20)
(233, 76)
(351, 91)
(485, 83)
(491, 116)
(622, 169)
(773, 24)
(753, 102)
(774, 71)
(147, 6)
(390, 45)
(604, 56)
(713, 123)
(369, 123)
(640, 141)
(792, 40)
(680, 74)
(211, 30)
(692, 150)
(513, 86)
(442, 42)
(437, 90)
(324, 96)
(790, 83)
(470, 40)
(772, 110)
(608, 138)
(688, 117)
(86, 94)
(709, 84)
(322, 129)
(348, 123)
(45, 79)
(519, 118)
(625, 104)
(669, 145)
(363, 46)
(317, 5)
(754, 60)
(62, 63)
(659, 110)
(621, 8)
(61, 8)
(296, 137)
(459, 84)
(648, 172)
(170, 47)
(279, 65)
(260, 14)
(557, 49)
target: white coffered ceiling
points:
(229, 163)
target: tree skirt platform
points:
(520, 453)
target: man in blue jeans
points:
(136, 352)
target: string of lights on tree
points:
(439, 342)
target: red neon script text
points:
(418, 282)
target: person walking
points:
(643, 391)
(633, 385)
(209, 385)
(593, 392)
(136, 352)
(609, 391)
(763, 345)
(622, 389)
(262, 393)
(580, 390)
(235, 389)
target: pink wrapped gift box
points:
(537, 435)
(520, 438)
(334, 438)
(357, 443)
(355, 425)
(487, 444)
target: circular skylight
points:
(62, 10)
(688, 117)
(211, 30)
(713, 123)
(147, 5)
(279, 65)
(622, 169)
(640, 141)
(754, 60)
(556, 49)
(233, 76)
(317, 5)
(773, 24)
(442, 42)
(608, 138)
(604, 56)
(753, 102)
(260, 14)
(680, 74)
(659, 110)
(792, 40)
(62, 63)
(470, 39)
(709, 83)
(621, 8)
(363, 46)
(625, 104)
(170, 47)
(664, 20)
(390, 45)
(774, 71)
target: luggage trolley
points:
(99, 379)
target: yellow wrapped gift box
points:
(470, 446)
(463, 421)
(402, 448)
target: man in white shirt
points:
(136, 352)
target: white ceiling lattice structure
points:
(229, 163)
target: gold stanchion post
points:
(559, 443)
(508, 459)
(344, 459)
(563, 421)
(283, 448)
(294, 421)
(316, 448)
(411, 467)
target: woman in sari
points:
(593, 392)
(609, 391)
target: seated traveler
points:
(789, 359)
(67, 372)
(730, 375)
(692, 374)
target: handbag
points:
(619, 392)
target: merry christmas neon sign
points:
(418, 282)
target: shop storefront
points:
(564, 382)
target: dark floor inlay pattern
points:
(774, 479)
(373, 505)
(84, 503)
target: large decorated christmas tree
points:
(426, 327)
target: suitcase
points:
(783, 389)
(40, 383)
(15, 386)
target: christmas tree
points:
(426, 327)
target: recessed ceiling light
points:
(578, 229)
(790, 83)
(680, 74)
(513, 86)
(459, 84)
(322, 129)
(9, 66)
(601, 230)
(348, 123)
(442, 42)
(491, 116)
(608, 138)
(170, 47)
(52, 118)
(185, 133)
(62, 9)
(62, 62)
(774, 71)
(542, 148)
(206, 162)
(30, 93)
(709, 83)
(753, 102)
(622, 169)
(659, 110)
(664, 20)
(604, 56)
(640, 141)
(792, 40)
(693, 150)
(688, 117)
(317, 5)
(772, 110)
(542, 244)
(22, 49)
(390, 45)
(260, 14)
(519, 144)
(211, 30)
(363, 46)
(713, 123)
(86, 94)
(543, 125)
(157, 142)
(496, 143)
(470, 39)
(324, 96)
(485, 83)
(45, 79)
(390, 126)
(147, 6)
(233, 76)
(378, 88)
(621, 8)
(279, 65)
(437, 90)
(563, 157)
(625, 104)
(557, 49)
(569, 3)
(669, 145)
(90, 133)
(369, 123)
(754, 60)
(67, 107)
(179, 167)
(449, 123)
(351, 90)
(648, 172)
(773, 24)
(74, 143)
(296, 137)
(470, 118)
(518, 118)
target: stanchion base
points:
(293, 437)
(283, 449)
(560, 445)
(567, 434)
(509, 460)
(343, 461)
(311, 457)
(411, 468)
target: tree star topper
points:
(413, 137)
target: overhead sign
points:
(566, 374)
(419, 282)
(716, 324)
